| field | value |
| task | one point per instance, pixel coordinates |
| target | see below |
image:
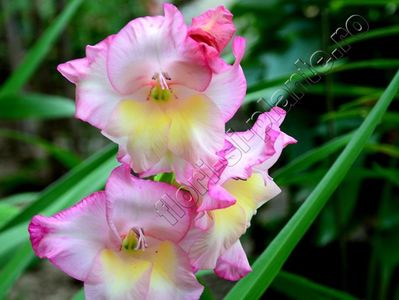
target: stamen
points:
(134, 240)
(162, 82)
(161, 79)
(142, 244)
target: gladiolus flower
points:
(241, 187)
(214, 29)
(154, 89)
(121, 242)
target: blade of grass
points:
(339, 4)
(35, 106)
(368, 64)
(267, 266)
(261, 88)
(311, 157)
(80, 295)
(87, 184)
(390, 118)
(372, 34)
(14, 267)
(38, 52)
(387, 149)
(63, 186)
(67, 158)
(298, 287)
(21, 198)
(7, 211)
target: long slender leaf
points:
(272, 259)
(337, 4)
(88, 183)
(63, 186)
(266, 87)
(310, 157)
(21, 198)
(79, 295)
(39, 51)
(67, 158)
(300, 288)
(14, 267)
(372, 34)
(35, 106)
(7, 211)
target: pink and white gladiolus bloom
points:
(160, 90)
(119, 243)
(234, 195)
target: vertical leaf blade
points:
(39, 51)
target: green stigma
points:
(130, 241)
(160, 94)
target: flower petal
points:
(95, 97)
(160, 272)
(74, 70)
(257, 148)
(228, 87)
(229, 223)
(158, 208)
(216, 198)
(72, 238)
(172, 276)
(233, 264)
(152, 45)
(214, 28)
(197, 130)
(116, 275)
(248, 193)
(145, 127)
(204, 247)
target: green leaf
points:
(35, 106)
(371, 34)
(346, 90)
(387, 149)
(336, 216)
(367, 64)
(38, 52)
(300, 288)
(7, 212)
(67, 158)
(65, 186)
(267, 87)
(311, 157)
(267, 266)
(21, 198)
(79, 295)
(17, 237)
(338, 4)
(14, 267)
(12, 237)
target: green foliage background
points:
(335, 228)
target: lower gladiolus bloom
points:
(121, 242)
(233, 197)
(154, 90)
